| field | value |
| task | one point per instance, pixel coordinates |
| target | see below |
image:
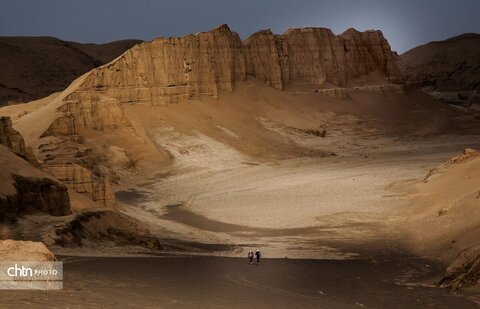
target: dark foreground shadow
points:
(216, 282)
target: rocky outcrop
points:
(169, 69)
(369, 51)
(466, 155)
(44, 194)
(463, 272)
(12, 139)
(81, 180)
(86, 110)
(66, 158)
(105, 226)
(97, 228)
(318, 56)
(17, 250)
(23, 186)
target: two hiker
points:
(258, 255)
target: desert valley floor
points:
(348, 216)
(152, 175)
(351, 253)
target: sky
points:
(405, 24)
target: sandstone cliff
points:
(262, 58)
(168, 69)
(82, 180)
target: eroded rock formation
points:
(10, 138)
(24, 186)
(82, 180)
(44, 194)
(262, 58)
(168, 69)
(105, 225)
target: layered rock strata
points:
(82, 180)
(168, 69)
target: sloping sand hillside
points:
(447, 202)
(35, 67)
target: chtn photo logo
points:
(16, 271)
(37, 275)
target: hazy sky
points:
(405, 23)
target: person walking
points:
(250, 256)
(258, 255)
